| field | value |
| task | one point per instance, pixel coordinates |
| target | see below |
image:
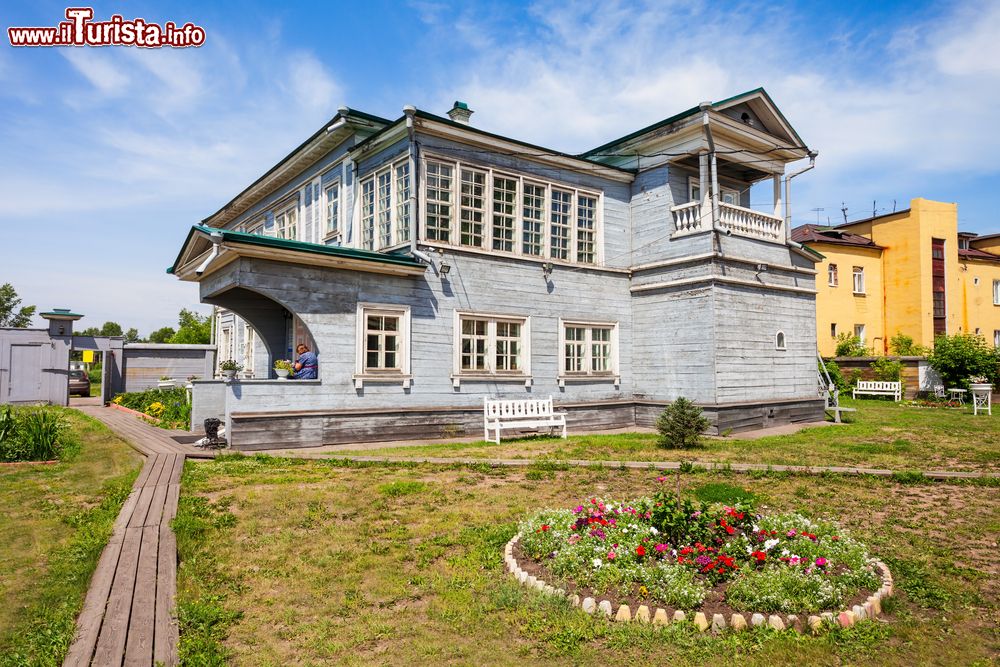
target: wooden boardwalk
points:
(128, 616)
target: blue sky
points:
(108, 155)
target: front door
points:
(25, 379)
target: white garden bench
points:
(879, 388)
(520, 414)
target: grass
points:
(882, 435)
(288, 561)
(95, 389)
(55, 523)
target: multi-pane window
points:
(533, 216)
(402, 174)
(562, 206)
(504, 212)
(440, 203)
(939, 304)
(586, 228)
(383, 207)
(859, 279)
(472, 208)
(491, 345)
(382, 342)
(588, 349)
(368, 214)
(832, 278)
(996, 338)
(859, 331)
(996, 292)
(332, 231)
(285, 224)
(481, 208)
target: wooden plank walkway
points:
(128, 615)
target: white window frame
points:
(996, 338)
(248, 350)
(588, 375)
(490, 373)
(780, 341)
(284, 212)
(225, 346)
(996, 292)
(856, 273)
(454, 218)
(338, 234)
(833, 275)
(388, 218)
(694, 183)
(361, 373)
(859, 331)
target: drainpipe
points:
(216, 240)
(410, 111)
(788, 190)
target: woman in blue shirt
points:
(307, 365)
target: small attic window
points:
(779, 340)
(746, 118)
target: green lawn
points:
(883, 435)
(288, 561)
(55, 522)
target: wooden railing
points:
(694, 217)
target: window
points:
(726, 195)
(383, 207)
(491, 345)
(833, 330)
(859, 331)
(368, 214)
(779, 340)
(996, 292)
(831, 274)
(285, 224)
(248, 345)
(440, 178)
(472, 208)
(332, 228)
(859, 280)
(383, 343)
(225, 345)
(589, 349)
(996, 338)
(975, 281)
(562, 206)
(504, 212)
(534, 219)
(402, 171)
(979, 331)
(939, 304)
(479, 207)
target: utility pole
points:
(843, 209)
(817, 212)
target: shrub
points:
(31, 434)
(849, 345)
(887, 370)
(959, 357)
(836, 375)
(681, 424)
(902, 345)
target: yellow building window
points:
(859, 280)
(831, 273)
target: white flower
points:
(653, 530)
(768, 545)
(784, 552)
(597, 562)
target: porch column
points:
(704, 186)
(778, 203)
(715, 191)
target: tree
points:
(89, 331)
(132, 336)
(162, 335)
(192, 328)
(10, 314)
(959, 357)
(849, 345)
(111, 329)
(681, 424)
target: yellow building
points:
(908, 272)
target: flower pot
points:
(984, 386)
(166, 384)
(282, 373)
(229, 374)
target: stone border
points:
(870, 610)
(136, 413)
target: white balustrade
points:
(694, 217)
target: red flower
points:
(760, 556)
(544, 528)
(640, 551)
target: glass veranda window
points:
(403, 202)
(504, 212)
(333, 212)
(562, 205)
(368, 213)
(533, 213)
(473, 208)
(440, 180)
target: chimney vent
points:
(460, 112)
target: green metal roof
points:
(60, 312)
(301, 246)
(690, 112)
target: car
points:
(79, 382)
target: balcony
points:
(696, 217)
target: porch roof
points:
(198, 245)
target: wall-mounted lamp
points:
(547, 269)
(444, 268)
(761, 268)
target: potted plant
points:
(230, 368)
(283, 368)
(166, 382)
(980, 383)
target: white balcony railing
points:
(695, 217)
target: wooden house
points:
(430, 263)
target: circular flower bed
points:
(718, 559)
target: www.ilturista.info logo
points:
(81, 30)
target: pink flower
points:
(660, 548)
(573, 539)
(579, 508)
(791, 533)
(661, 479)
(612, 555)
(820, 562)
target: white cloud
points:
(99, 68)
(311, 85)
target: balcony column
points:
(715, 191)
(778, 203)
(704, 187)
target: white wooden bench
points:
(878, 388)
(520, 414)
